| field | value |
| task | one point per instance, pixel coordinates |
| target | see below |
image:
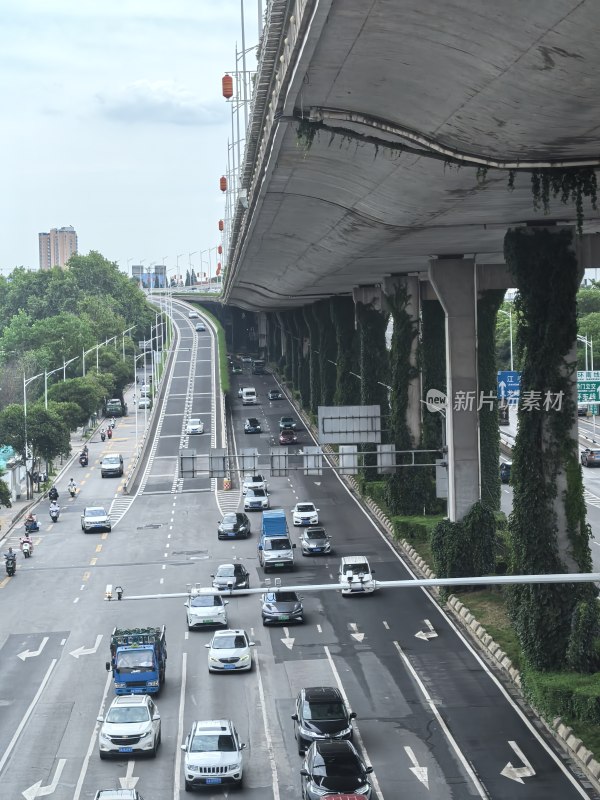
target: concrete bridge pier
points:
(455, 283)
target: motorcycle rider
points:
(112, 422)
(53, 494)
(31, 523)
(54, 508)
(26, 540)
(72, 487)
(102, 434)
(109, 432)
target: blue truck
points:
(138, 659)
(275, 550)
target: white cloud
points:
(163, 102)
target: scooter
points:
(103, 436)
(54, 514)
(27, 548)
(31, 526)
(72, 491)
(83, 459)
(109, 433)
(10, 563)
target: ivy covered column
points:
(285, 362)
(454, 281)
(347, 391)
(489, 437)
(556, 624)
(327, 351)
(303, 342)
(311, 319)
(433, 360)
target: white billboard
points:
(349, 424)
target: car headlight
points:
(213, 660)
(152, 683)
(306, 733)
(318, 790)
(104, 736)
(245, 658)
(120, 685)
(146, 734)
(362, 789)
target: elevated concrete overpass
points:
(510, 86)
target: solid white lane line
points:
(179, 740)
(92, 743)
(359, 739)
(270, 751)
(453, 744)
(320, 629)
(27, 714)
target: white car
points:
(254, 482)
(145, 402)
(200, 327)
(213, 755)
(205, 609)
(357, 574)
(193, 315)
(229, 651)
(256, 500)
(131, 725)
(95, 518)
(305, 514)
(193, 426)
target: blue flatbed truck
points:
(138, 659)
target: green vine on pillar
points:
(548, 529)
(342, 315)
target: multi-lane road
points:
(432, 719)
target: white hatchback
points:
(194, 426)
(205, 609)
(305, 514)
(230, 651)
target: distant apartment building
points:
(57, 247)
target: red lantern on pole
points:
(223, 183)
(220, 249)
(227, 84)
(221, 225)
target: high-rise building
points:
(57, 247)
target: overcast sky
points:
(114, 122)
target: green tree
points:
(588, 301)
(4, 492)
(87, 393)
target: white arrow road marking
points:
(129, 782)
(428, 634)
(31, 653)
(354, 628)
(518, 773)
(317, 483)
(37, 790)
(288, 642)
(86, 651)
(418, 771)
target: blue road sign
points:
(509, 385)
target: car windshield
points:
(336, 765)
(212, 743)
(357, 569)
(287, 420)
(302, 507)
(206, 601)
(124, 714)
(256, 493)
(230, 519)
(194, 422)
(111, 459)
(281, 597)
(315, 534)
(323, 711)
(253, 421)
(134, 660)
(232, 642)
(95, 512)
(276, 544)
(226, 572)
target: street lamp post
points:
(509, 315)
(46, 374)
(123, 339)
(66, 364)
(587, 342)
(135, 360)
(84, 354)
(26, 382)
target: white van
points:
(357, 575)
(248, 396)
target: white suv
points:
(357, 575)
(131, 725)
(254, 482)
(204, 609)
(213, 754)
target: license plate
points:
(209, 622)
(231, 534)
(318, 549)
(228, 666)
(125, 749)
(283, 617)
(279, 564)
(213, 780)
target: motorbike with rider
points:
(10, 562)
(54, 511)
(72, 487)
(26, 545)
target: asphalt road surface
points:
(432, 719)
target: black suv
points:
(252, 425)
(505, 472)
(234, 525)
(321, 714)
(334, 767)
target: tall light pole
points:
(46, 374)
(179, 255)
(588, 343)
(84, 354)
(123, 339)
(135, 360)
(195, 252)
(26, 382)
(509, 315)
(66, 364)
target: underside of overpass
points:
(405, 101)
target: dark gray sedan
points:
(315, 542)
(281, 607)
